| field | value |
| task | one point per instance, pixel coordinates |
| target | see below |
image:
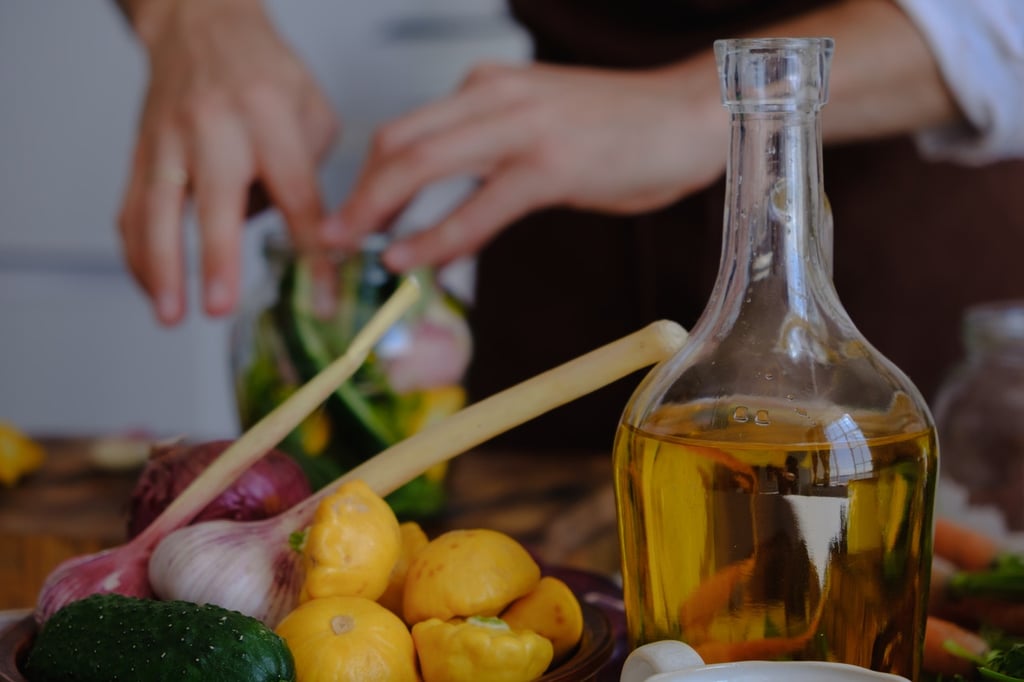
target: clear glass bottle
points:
(286, 332)
(979, 410)
(775, 479)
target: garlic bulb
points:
(226, 563)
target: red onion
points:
(268, 487)
(124, 569)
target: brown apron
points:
(915, 242)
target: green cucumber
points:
(112, 637)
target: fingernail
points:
(216, 295)
(167, 307)
(398, 257)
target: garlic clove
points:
(659, 657)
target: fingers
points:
(225, 155)
(129, 221)
(460, 134)
(508, 195)
(389, 182)
(288, 168)
(286, 157)
(488, 88)
(150, 224)
(223, 170)
(320, 123)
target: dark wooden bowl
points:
(14, 646)
(593, 652)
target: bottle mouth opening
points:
(774, 44)
(774, 74)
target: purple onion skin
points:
(270, 486)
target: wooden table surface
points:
(561, 506)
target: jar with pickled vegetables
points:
(978, 412)
(303, 315)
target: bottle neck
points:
(775, 179)
(776, 254)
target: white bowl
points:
(670, 661)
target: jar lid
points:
(278, 243)
(994, 323)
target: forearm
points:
(149, 18)
(884, 78)
(883, 81)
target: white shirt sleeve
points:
(979, 47)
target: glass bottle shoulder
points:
(764, 392)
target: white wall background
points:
(79, 349)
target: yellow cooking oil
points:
(768, 539)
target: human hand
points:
(228, 106)
(540, 136)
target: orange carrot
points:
(967, 548)
(759, 649)
(939, 636)
(751, 650)
(987, 597)
(702, 604)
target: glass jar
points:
(303, 316)
(979, 411)
(775, 479)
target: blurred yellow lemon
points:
(19, 455)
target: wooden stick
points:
(272, 428)
(502, 411)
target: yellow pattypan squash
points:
(479, 650)
(352, 545)
(551, 611)
(348, 639)
(467, 573)
(19, 455)
(413, 540)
